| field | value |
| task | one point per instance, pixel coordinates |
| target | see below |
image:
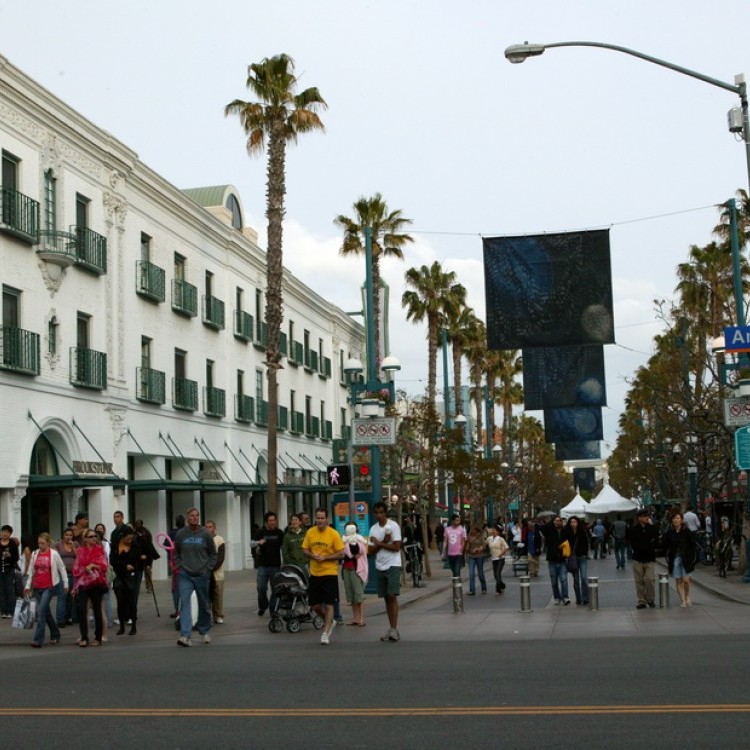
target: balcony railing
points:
(214, 402)
(297, 426)
(150, 281)
(261, 413)
(243, 325)
(184, 298)
(261, 335)
(184, 394)
(282, 421)
(213, 312)
(88, 368)
(19, 215)
(295, 353)
(61, 244)
(151, 385)
(19, 350)
(91, 250)
(244, 408)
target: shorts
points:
(678, 569)
(389, 581)
(323, 590)
(354, 589)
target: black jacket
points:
(268, 554)
(579, 541)
(643, 541)
(552, 540)
(680, 543)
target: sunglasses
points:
(90, 536)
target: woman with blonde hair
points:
(90, 572)
(46, 573)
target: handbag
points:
(572, 564)
(565, 548)
(24, 616)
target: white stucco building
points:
(131, 355)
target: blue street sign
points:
(737, 338)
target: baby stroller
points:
(289, 587)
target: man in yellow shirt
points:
(324, 547)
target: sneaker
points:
(338, 620)
(394, 635)
(387, 636)
(324, 639)
(219, 620)
(566, 601)
(652, 604)
(207, 638)
(261, 612)
(558, 601)
(115, 621)
(184, 641)
(640, 605)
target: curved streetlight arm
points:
(517, 53)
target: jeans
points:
(599, 548)
(476, 565)
(44, 615)
(558, 576)
(580, 581)
(8, 592)
(186, 584)
(66, 610)
(263, 580)
(497, 570)
(456, 562)
(620, 552)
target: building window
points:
(258, 314)
(209, 373)
(52, 335)
(240, 383)
(259, 385)
(233, 205)
(238, 299)
(180, 364)
(209, 284)
(82, 212)
(145, 352)
(145, 248)
(179, 267)
(50, 201)
(11, 307)
(83, 322)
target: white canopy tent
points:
(576, 507)
(610, 501)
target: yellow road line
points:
(393, 711)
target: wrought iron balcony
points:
(19, 350)
(261, 413)
(150, 385)
(214, 402)
(244, 408)
(213, 312)
(184, 298)
(243, 325)
(88, 368)
(184, 394)
(57, 247)
(91, 250)
(19, 215)
(150, 281)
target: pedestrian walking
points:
(355, 571)
(216, 587)
(679, 549)
(195, 557)
(577, 563)
(46, 573)
(619, 534)
(498, 548)
(324, 547)
(453, 545)
(554, 536)
(476, 548)
(267, 543)
(385, 544)
(643, 538)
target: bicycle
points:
(414, 563)
(705, 548)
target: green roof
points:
(208, 196)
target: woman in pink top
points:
(46, 571)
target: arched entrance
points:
(43, 507)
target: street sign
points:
(737, 411)
(737, 338)
(742, 448)
(374, 431)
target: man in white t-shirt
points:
(691, 520)
(385, 544)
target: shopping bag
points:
(25, 613)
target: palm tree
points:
(509, 391)
(462, 331)
(279, 117)
(387, 240)
(433, 297)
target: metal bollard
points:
(525, 588)
(593, 582)
(663, 590)
(458, 595)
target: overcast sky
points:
(424, 108)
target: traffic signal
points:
(339, 475)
